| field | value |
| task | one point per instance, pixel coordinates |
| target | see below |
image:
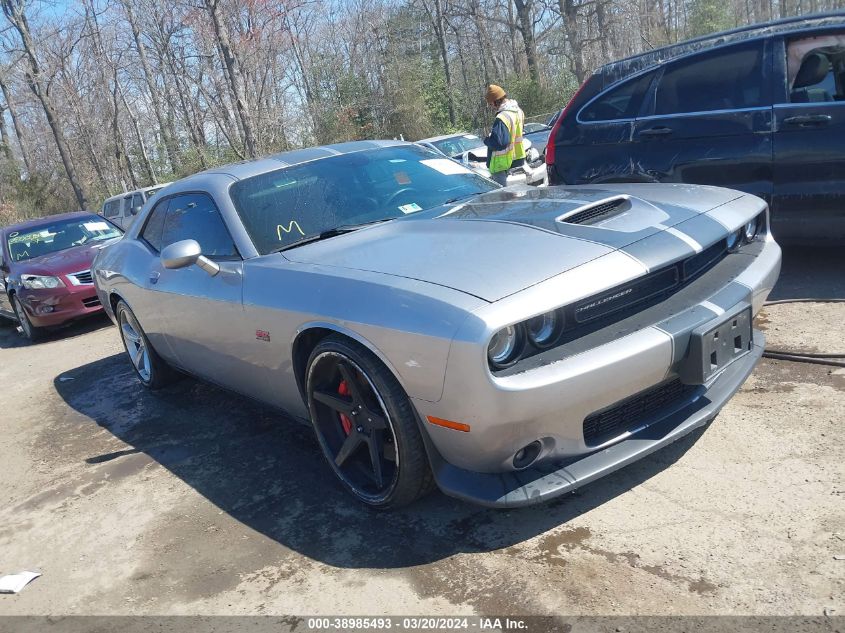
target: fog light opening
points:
(527, 455)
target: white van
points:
(122, 208)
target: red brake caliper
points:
(346, 423)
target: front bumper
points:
(551, 479)
(50, 307)
(550, 398)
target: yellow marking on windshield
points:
(293, 224)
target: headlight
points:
(543, 329)
(504, 347)
(749, 232)
(38, 282)
(735, 240)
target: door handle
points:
(154, 275)
(656, 131)
(808, 119)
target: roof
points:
(131, 191)
(614, 71)
(247, 168)
(36, 222)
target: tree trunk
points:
(167, 135)
(16, 124)
(236, 82)
(569, 11)
(525, 17)
(14, 11)
(4, 136)
(145, 158)
(440, 33)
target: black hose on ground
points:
(814, 358)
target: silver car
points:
(506, 344)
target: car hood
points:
(70, 260)
(506, 240)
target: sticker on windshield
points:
(401, 178)
(410, 208)
(445, 166)
(96, 226)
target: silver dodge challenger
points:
(506, 345)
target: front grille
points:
(627, 295)
(597, 212)
(630, 413)
(701, 262)
(82, 278)
(91, 302)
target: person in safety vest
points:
(504, 145)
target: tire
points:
(151, 369)
(358, 410)
(30, 331)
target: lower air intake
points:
(630, 413)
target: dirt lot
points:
(194, 500)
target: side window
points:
(195, 217)
(154, 226)
(723, 80)
(621, 102)
(816, 68)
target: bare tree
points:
(15, 12)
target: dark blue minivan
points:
(760, 109)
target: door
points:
(201, 315)
(5, 305)
(709, 121)
(602, 150)
(126, 212)
(135, 204)
(111, 210)
(809, 139)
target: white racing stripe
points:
(686, 238)
(713, 307)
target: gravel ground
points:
(197, 501)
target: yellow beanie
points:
(494, 93)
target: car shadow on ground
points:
(267, 472)
(10, 337)
(811, 273)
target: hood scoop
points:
(596, 212)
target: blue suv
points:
(760, 109)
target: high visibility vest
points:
(503, 159)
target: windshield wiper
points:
(463, 197)
(332, 232)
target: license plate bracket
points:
(716, 344)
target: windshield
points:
(51, 238)
(535, 127)
(290, 204)
(455, 145)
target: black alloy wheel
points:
(366, 425)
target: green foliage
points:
(709, 16)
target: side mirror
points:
(184, 253)
(135, 210)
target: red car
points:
(45, 267)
